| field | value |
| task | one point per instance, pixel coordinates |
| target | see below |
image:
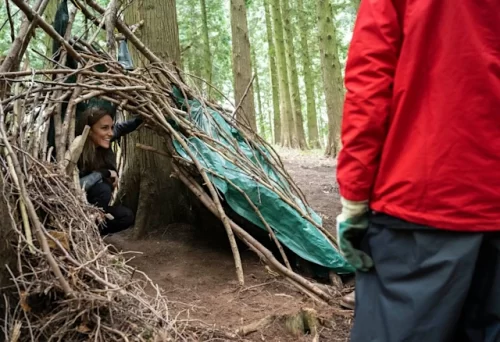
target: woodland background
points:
(292, 52)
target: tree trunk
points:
(207, 58)
(191, 61)
(49, 15)
(146, 185)
(260, 113)
(274, 76)
(332, 75)
(285, 103)
(299, 136)
(242, 64)
(312, 125)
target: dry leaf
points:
(24, 304)
(62, 237)
(83, 328)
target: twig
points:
(249, 240)
(21, 42)
(255, 326)
(131, 37)
(242, 99)
(11, 23)
(34, 16)
(111, 15)
(32, 212)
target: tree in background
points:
(332, 74)
(305, 34)
(157, 199)
(285, 103)
(298, 135)
(242, 64)
(274, 75)
(207, 56)
(260, 114)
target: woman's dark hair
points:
(89, 118)
(93, 158)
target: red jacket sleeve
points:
(369, 75)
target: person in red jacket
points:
(419, 170)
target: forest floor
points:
(195, 267)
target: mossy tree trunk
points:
(274, 76)
(285, 103)
(312, 117)
(299, 137)
(207, 57)
(260, 114)
(332, 74)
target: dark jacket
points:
(89, 178)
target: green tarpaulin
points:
(291, 229)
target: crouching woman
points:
(97, 165)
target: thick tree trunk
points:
(312, 120)
(332, 75)
(146, 185)
(299, 137)
(242, 64)
(207, 58)
(285, 103)
(274, 76)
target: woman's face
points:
(102, 131)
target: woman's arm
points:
(369, 76)
(126, 127)
(90, 180)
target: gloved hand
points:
(352, 224)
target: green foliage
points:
(40, 47)
(191, 40)
(190, 35)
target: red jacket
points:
(421, 124)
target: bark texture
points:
(276, 122)
(332, 75)
(147, 187)
(207, 57)
(285, 103)
(312, 120)
(242, 64)
(298, 135)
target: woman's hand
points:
(114, 177)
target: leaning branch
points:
(35, 17)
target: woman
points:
(97, 165)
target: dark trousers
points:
(100, 196)
(427, 285)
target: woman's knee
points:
(128, 217)
(100, 194)
(123, 218)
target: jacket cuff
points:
(355, 195)
(105, 173)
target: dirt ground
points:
(195, 267)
